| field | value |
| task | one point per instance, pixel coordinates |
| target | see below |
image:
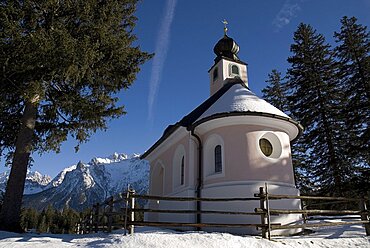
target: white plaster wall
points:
(215, 85)
(230, 190)
(248, 189)
(176, 166)
(223, 73)
(174, 205)
(243, 158)
(165, 160)
(245, 170)
(226, 70)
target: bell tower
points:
(227, 63)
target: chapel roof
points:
(233, 99)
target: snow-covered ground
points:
(338, 237)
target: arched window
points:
(178, 167)
(215, 74)
(157, 179)
(234, 70)
(218, 159)
(213, 157)
(182, 170)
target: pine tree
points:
(353, 52)
(313, 100)
(62, 64)
(29, 218)
(1, 199)
(41, 223)
(276, 93)
(73, 218)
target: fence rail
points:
(170, 211)
(168, 198)
(105, 216)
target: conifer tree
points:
(353, 52)
(41, 223)
(276, 94)
(62, 64)
(1, 199)
(29, 218)
(313, 97)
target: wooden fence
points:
(105, 216)
(112, 213)
(310, 214)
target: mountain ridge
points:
(81, 185)
(35, 182)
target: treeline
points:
(327, 89)
(51, 220)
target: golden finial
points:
(225, 27)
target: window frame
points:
(231, 65)
(266, 147)
(218, 159)
(215, 74)
(276, 144)
(209, 146)
(182, 171)
(179, 164)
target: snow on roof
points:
(240, 99)
(233, 98)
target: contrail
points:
(161, 48)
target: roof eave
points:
(249, 113)
(167, 133)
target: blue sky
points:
(183, 33)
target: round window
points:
(266, 147)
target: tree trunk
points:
(10, 215)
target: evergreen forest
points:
(327, 89)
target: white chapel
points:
(229, 146)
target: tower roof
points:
(227, 48)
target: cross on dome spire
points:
(226, 47)
(225, 27)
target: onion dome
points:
(227, 48)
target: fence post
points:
(110, 212)
(91, 219)
(126, 211)
(263, 215)
(268, 213)
(132, 212)
(365, 216)
(304, 215)
(96, 220)
(81, 226)
(78, 227)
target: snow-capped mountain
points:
(35, 182)
(84, 184)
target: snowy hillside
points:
(35, 182)
(84, 184)
(334, 237)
